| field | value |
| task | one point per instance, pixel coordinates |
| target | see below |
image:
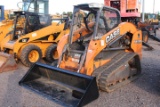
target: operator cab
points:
(152, 16)
(36, 6)
(1, 13)
(27, 22)
(92, 21)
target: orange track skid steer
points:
(98, 46)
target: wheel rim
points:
(33, 56)
(55, 54)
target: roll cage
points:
(29, 22)
(99, 13)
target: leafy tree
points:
(64, 13)
(57, 14)
(158, 15)
(69, 14)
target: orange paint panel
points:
(128, 8)
(123, 6)
(136, 44)
(131, 4)
(107, 2)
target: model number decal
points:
(138, 41)
(113, 35)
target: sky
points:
(59, 6)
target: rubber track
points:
(103, 72)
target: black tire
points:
(145, 36)
(50, 53)
(24, 56)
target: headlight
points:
(24, 40)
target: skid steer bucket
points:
(70, 89)
(7, 62)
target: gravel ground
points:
(144, 92)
